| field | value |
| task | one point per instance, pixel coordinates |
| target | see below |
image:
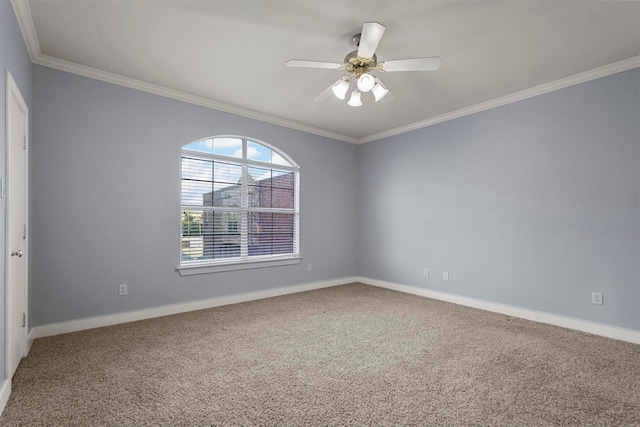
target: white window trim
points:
(244, 262)
(193, 269)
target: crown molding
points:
(596, 73)
(27, 28)
(94, 73)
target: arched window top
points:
(237, 147)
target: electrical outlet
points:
(308, 267)
(596, 298)
(426, 272)
(445, 275)
(122, 289)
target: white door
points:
(17, 119)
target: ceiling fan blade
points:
(327, 92)
(417, 64)
(314, 64)
(386, 98)
(370, 39)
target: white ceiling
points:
(234, 52)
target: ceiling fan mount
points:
(356, 39)
(361, 62)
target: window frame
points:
(244, 261)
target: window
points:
(240, 205)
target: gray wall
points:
(535, 204)
(106, 200)
(13, 57)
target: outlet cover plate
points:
(596, 298)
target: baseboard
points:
(523, 313)
(132, 316)
(5, 392)
(30, 337)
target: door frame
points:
(12, 92)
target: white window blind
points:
(240, 202)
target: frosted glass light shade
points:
(366, 82)
(355, 100)
(379, 91)
(340, 89)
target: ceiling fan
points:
(360, 63)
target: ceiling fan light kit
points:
(340, 89)
(356, 99)
(366, 82)
(360, 63)
(379, 91)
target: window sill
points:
(190, 270)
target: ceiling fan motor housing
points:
(354, 64)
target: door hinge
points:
(25, 142)
(24, 320)
(24, 234)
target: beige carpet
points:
(350, 355)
